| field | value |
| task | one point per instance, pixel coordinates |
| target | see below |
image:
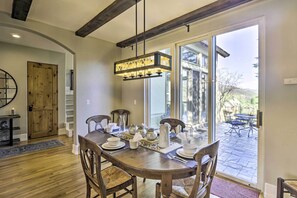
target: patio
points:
(237, 155)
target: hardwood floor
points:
(54, 172)
(51, 173)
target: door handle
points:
(30, 108)
(259, 118)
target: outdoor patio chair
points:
(235, 124)
(252, 127)
(286, 186)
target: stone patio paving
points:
(238, 155)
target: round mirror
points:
(8, 88)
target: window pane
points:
(160, 97)
(194, 75)
(237, 103)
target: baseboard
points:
(23, 137)
(62, 131)
(69, 132)
(270, 191)
(75, 149)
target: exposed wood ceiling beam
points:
(113, 10)
(201, 13)
(20, 9)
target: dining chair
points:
(97, 119)
(286, 186)
(199, 185)
(107, 181)
(120, 112)
(174, 123)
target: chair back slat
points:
(174, 123)
(116, 115)
(206, 166)
(90, 155)
(97, 119)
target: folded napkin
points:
(137, 137)
(172, 147)
(111, 127)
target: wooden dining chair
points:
(199, 185)
(174, 123)
(107, 181)
(116, 115)
(97, 120)
(286, 186)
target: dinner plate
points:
(181, 153)
(106, 146)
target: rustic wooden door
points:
(42, 99)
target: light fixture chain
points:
(136, 27)
(143, 26)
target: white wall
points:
(13, 59)
(93, 65)
(280, 105)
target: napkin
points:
(137, 137)
(183, 137)
(110, 127)
(186, 141)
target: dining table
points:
(146, 163)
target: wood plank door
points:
(42, 99)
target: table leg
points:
(166, 185)
(10, 132)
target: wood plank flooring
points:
(54, 172)
(51, 173)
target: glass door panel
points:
(194, 89)
(237, 103)
(160, 97)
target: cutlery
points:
(177, 158)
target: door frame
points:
(212, 88)
(261, 50)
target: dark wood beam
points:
(113, 10)
(20, 9)
(201, 13)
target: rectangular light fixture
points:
(144, 66)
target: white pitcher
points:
(164, 138)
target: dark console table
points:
(7, 124)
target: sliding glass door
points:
(219, 97)
(237, 100)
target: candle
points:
(12, 111)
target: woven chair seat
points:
(292, 184)
(113, 176)
(181, 188)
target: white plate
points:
(108, 147)
(181, 153)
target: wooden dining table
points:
(146, 163)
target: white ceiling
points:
(73, 14)
(28, 39)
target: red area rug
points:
(227, 189)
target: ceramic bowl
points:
(189, 149)
(113, 141)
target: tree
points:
(227, 82)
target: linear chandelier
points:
(145, 66)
